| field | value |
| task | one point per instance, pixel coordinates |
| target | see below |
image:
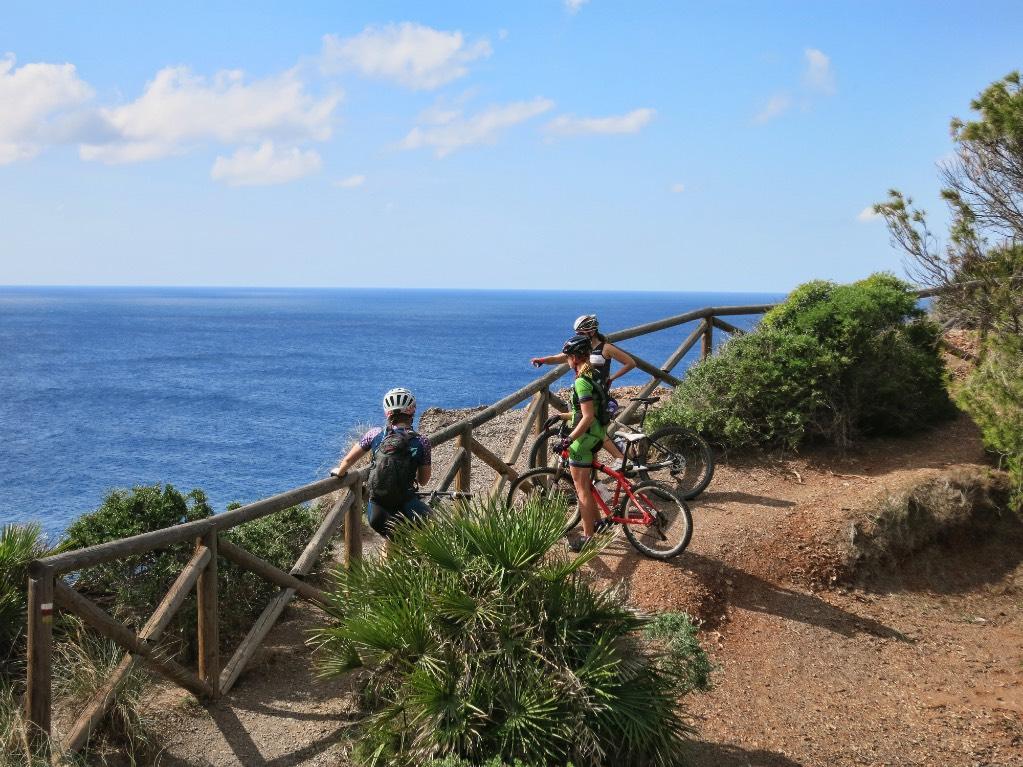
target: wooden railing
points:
(47, 588)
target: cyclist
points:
(600, 355)
(587, 431)
(400, 460)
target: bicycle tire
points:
(546, 481)
(540, 449)
(670, 534)
(689, 459)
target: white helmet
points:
(401, 400)
(586, 322)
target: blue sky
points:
(542, 144)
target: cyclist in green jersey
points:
(587, 432)
(601, 353)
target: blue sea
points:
(245, 393)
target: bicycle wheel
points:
(540, 453)
(680, 459)
(546, 483)
(669, 533)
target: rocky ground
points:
(920, 664)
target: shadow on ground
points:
(702, 754)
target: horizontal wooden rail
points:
(157, 539)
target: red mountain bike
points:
(655, 519)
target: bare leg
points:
(587, 506)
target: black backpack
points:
(393, 472)
(600, 408)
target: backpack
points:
(393, 472)
(600, 409)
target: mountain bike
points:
(655, 519)
(673, 455)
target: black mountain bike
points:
(673, 455)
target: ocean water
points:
(245, 393)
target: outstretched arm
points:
(352, 458)
(553, 359)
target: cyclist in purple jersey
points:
(399, 409)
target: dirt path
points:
(923, 667)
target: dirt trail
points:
(921, 667)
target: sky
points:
(553, 144)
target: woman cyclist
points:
(407, 455)
(587, 432)
(601, 353)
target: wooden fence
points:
(47, 588)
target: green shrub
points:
(132, 587)
(277, 539)
(481, 643)
(19, 545)
(832, 362)
(993, 396)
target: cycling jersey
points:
(601, 365)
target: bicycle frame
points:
(622, 484)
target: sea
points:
(248, 392)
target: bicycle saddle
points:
(647, 400)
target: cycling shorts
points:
(580, 452)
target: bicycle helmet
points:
(577, 346)
(586, 322)
(401, 400)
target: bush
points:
(132, 587)
(19, 545)
(481, 643)
(993, 396)
(277, 539)
(833, 362)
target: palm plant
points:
(480, 642)
(19, 545)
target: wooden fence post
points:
(209, 617)
(353, 523)
(463, 480)
(542, 414)
(707, 347)
(39, 692)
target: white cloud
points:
(179, 108)
(818, 80)
(351, 182)
(776, 106)
(409, 54)
(482, 128)
(867, 214)
(678, 188)
(574, 5)
(264, 165)
(818, 76)
(31, 97)
(632, 122)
